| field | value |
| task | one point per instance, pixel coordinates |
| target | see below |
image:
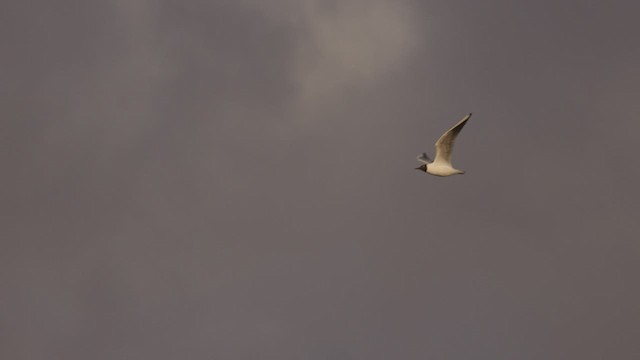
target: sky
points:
(235, 180)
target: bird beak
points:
(418, 168)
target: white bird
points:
(441, 166)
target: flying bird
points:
(441, 166)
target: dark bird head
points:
(422, 167)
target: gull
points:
(441, 166)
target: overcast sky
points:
(234, 180)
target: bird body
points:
(439, 169)
(442, 166)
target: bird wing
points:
(444, 145)
(424, 158)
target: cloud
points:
(343, 45)
(351, 43)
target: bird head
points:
(422, 167)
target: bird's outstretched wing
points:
(424, 158)
(444, 145)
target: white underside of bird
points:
(442, 169)
(442, 166)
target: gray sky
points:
(234, 180)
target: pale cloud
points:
(343, 45)
(350, 44)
